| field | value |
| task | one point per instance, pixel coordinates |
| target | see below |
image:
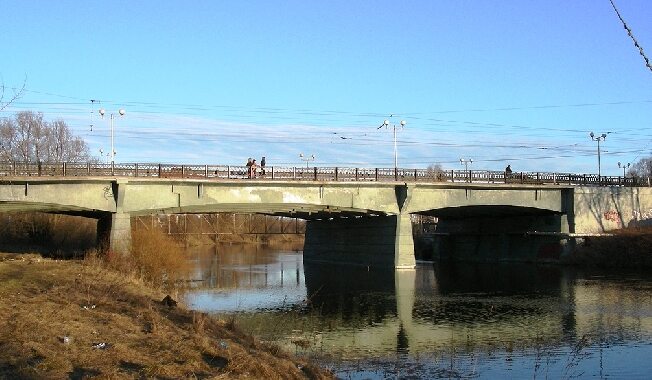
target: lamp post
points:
(466, 163)
(602, 137)
(121, 112)
(307, 159)
(624, 167)
(386, 124)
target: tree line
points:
(27, 137)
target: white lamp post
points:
(121, 112)
(598, 139)
(624, 167)
(307, 159)
(466, 163)
(386, 124)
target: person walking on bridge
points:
(249, 163)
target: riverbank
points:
(72, 319)
(628, 248)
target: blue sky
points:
(208, 82)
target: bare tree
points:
(16, 94)
(436, 171)
(642, 168)
(29, 138)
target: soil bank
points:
(71, 319)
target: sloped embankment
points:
(67, 319)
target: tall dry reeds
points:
(60, 236)
(154, 258)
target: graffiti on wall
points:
(637, 216)
(642, 215)
(612, 216)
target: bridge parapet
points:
(315, 173)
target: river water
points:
(438, 321)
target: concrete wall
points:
(601, 209)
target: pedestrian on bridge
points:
(249, 163)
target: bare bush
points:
(436, 172)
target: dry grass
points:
(54, 312)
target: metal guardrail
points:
(150, 170)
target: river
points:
(438, 321)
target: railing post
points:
(336, 173)
(415, 175)
(183, 171)
(294, 173)
(228, 171)
(376, 174)
(537, 177)
(135, 170)
(206, 171)
(315, 173)
(584, 182)
(272, 171)
(356, 174)
(159, 170)
(112, 168)
(522, 178)
(452, 175)
(395, 174)
(63, 169)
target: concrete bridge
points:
(362, 221)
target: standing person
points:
(249, 163)
(253, 169)
(262, 166)
(508, 169)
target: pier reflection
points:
(365, 312)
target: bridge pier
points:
(114, 232)
(373, 241)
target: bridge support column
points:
(374, 241)
(404, 243)
(114, 233)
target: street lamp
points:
(466, 163)
(624, 167)
(121, 112)
(386, 124)
(602, 137)
(307, 159)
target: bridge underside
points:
(499, 233)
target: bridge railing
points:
(155, 170)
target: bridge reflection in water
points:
(359, 312)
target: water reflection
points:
(484, 317)
(236, 277)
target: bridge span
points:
(361, 221)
